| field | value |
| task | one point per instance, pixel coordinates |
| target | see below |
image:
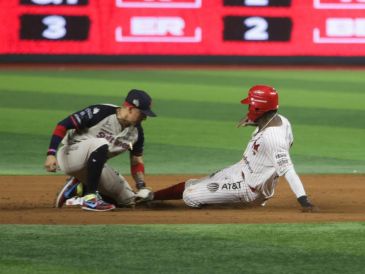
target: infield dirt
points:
(30, 199)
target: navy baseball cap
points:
(141, 100)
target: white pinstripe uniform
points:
(253, 179)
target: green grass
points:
(279, 248)
(198, 109)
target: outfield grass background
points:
(279, 248)
(198, 110)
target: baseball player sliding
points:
(89, 138)
(252, 180)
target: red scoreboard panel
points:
(183, 27)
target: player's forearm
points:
(57, 136)
(59, 133)
(139, 180)
(295, 183)
(137, 171)
(297, 187)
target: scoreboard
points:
(183, 27)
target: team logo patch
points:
(282, 159)
(136, 102)
(213, 187)
(232, 186)
(255, 147)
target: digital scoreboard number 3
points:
(54, 27)
(254, 28)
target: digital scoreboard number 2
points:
(257, 29)
(54, 27)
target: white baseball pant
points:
(72, 160)
(223, 187)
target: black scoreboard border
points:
(182, 59)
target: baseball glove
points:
(144, 195)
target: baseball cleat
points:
(74, 201)
(93, 202)
(69, 190)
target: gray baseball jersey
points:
(90, 129)
(105, 127)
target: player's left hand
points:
(51, 163)
(144, 195)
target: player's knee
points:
(102, 150)
(190, 199)
(126, 195)
(125, 199)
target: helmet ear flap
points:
(253, 113)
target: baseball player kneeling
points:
(89, 138)
(252, 180)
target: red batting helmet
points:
(260, 99)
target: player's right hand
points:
(307, 206)
(51, 163)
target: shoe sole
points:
(59, 203)
(97, 210)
